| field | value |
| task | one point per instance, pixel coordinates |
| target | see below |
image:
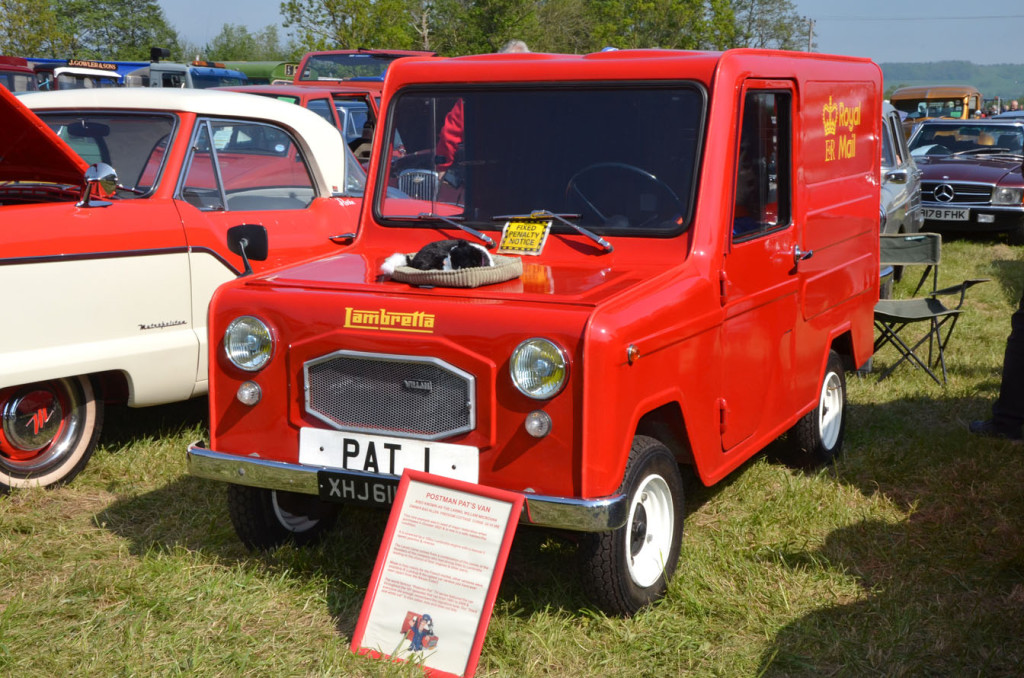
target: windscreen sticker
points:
(524, 236)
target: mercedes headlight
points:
(248, 344)
(539, 368)
(1007, 196)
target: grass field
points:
(905, 558)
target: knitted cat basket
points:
(504, 268)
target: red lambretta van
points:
(698, 242)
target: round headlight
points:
(248, 344)
(539, 368)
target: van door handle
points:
(799, 255)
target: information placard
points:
(437, 573)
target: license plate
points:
(947, 213)
(386, 455)
(368, 490)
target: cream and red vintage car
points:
(120, 213)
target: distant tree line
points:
(126, 29)
(1005, 81)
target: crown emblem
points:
(830, 116)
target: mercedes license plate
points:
(947, 213)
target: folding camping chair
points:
(894, 316)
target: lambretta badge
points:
(388, 321)
(418, 385)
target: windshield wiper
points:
(564, 219)
(983, 150)
(452, 222)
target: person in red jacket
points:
(452, 130)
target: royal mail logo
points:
(839, 116)
(829, 117)
(384, 320)
(841, 121)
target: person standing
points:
(1008, 409)
(451, 131)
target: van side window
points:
(762, 175)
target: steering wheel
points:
(601, 175)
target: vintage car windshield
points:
(134, 144)
(346, 66)
(930, 108)
(614, 159)
(968, 139)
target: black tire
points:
(264, 519)
(629, 568)
(818, 437)
(48, 431)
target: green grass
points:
(905, 558)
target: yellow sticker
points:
(524, 236)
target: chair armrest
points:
(960, 289)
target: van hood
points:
(30, 150)
(357, 272)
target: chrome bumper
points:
(581, 515)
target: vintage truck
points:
(195, 75)
(698, 242)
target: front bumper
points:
(581, 515)
(995, 218)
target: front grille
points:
(418, 183)
(389, 394)
(934, 191)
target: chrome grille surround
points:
(958, 192)
(379, 393)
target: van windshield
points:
(614, 159)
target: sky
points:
(986, 32)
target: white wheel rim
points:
(830, 410)
(293, 522)
(649, 531)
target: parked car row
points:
(125, 208)
(181, 242)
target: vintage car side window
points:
(762, 177)
(899, 143)
(322, 107)
(201, 187)
(173, 80)
(354, 116)
(888, 152)
(237, 165)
